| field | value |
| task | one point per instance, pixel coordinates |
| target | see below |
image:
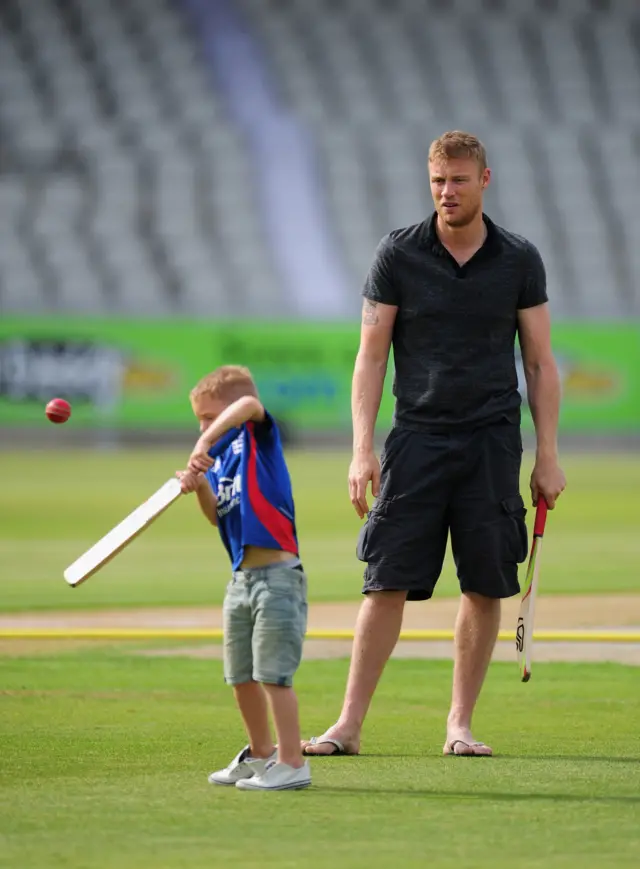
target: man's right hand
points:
(364, 468)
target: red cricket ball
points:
(58, 410)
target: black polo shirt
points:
(455, 330)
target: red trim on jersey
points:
(280, 528)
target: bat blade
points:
(122, 534)
(524, 629)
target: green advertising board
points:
(137, 374)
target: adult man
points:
(450, 293)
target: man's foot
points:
(460, 743)
(332, 743)
(243, 766)
(278, 777)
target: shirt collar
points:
(429, 237)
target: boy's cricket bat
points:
(120, 536)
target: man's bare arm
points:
(541, 374)
(370, 370)
(543, 389)
(366, 393)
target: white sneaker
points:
(278, 777)
(241, 767)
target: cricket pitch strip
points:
(610, 613)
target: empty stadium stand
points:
(149, 167)
(124, 188)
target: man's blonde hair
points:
(228, 383)
(456, 145)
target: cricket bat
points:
(123, 534)
(524, 631)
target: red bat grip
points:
(541, 517)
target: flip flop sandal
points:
(340, 750)
(450, 749)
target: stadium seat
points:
(129, 182)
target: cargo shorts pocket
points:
(363, 544)
(516, 541)
(280, 622)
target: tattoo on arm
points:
(369, 313)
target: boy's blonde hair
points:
(457, 144)
(227, 383)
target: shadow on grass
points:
(571, 758)
(485, 795)
(565, 758)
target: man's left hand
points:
(547, 480)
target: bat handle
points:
(541, 517)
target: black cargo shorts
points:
(466, 484)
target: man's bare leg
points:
(476, 632)
(376, 634)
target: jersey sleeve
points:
(266, 428)
(379, 285)
(534, 289)
(221, 445)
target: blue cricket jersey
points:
(251, 481)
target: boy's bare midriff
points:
(257, 556)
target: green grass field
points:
(54, 505)
(105, 755)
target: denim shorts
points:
(264, 623)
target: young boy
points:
(238, 472)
